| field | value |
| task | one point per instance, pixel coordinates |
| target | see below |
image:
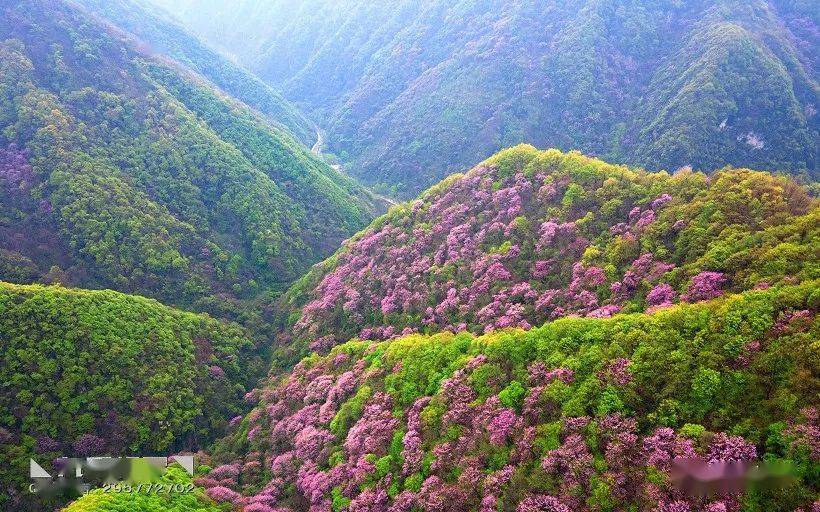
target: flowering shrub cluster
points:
(15, 170)
(582, 414)
(530, 236)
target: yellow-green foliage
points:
(100, 501)
(143, 377)
(744, 365)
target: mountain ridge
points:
(150, 181)
(411, 92)
(166, 38)
(577, 414)
(96, 372)
(529, 234)
(545, 331)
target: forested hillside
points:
(124, 171)
(628, 318)
(528, 236)
(550, 330)
(103, 373)
(160, 36)
(582, 414)
(411, 91)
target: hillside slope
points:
(120, 171)
(99, 372)
(582, 414)
(530, 235)
(675, 316)
(410, 91)
(163, 37)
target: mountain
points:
(103, 373)
(409, 92)
(122, 170)
(580, 324)
(159, 35)
(581, 414)
(528, 236)
(545, 332)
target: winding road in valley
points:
(317, 150)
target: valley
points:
(478, 255)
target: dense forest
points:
(157, 33)
(411, 91)
(579, 414)
(528, 236)
(677, 318)
(99, 372)
(120, 170)
(549, 330)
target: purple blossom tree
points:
(704, 286)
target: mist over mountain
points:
(410, 92)
(159, 35)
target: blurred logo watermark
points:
(699, 478)
(112, 474)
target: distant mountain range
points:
(158, 34)
(411, 91)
